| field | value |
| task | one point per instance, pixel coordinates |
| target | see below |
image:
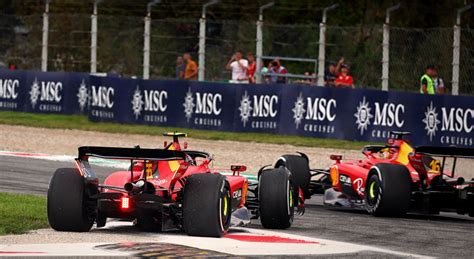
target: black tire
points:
(276, 197)
(299, 168)
(206, 205)
(69, 209)
(389, 196)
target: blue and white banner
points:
(363, 115)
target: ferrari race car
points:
(168, 189)
(392, 180)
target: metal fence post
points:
(146, 40)
(146, 48)
(44, 45)
(259, 41)
(386, 47)
(456, 49)
(322, 45)
(202, 40)
(94, 37)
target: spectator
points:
(343, 78)
(191, 71)
(331, 74)
(438, 83)
(265, 69)
(427, 82)
(239, 67)
(312, 81)
(277, 68)
(252, 67)
(180, 67)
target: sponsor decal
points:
(344, 179)
(46, 95)
(314, 113)
(237, 194)
(262, 109)
(454, 121)
(360, 189)
(200, 106)
(9, 93)
(384, 117)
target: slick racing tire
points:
(69, 208)
(298, 165)
(276, 196)
(206, 205)
(388, 190)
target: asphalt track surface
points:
(447, 235)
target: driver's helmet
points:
(385, 153)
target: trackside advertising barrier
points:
(364, 115)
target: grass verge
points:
(20, 213)
(82, 123)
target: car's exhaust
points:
(139, 186)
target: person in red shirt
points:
(251, 68)
(343, 78)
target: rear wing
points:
(454, 152)
(130, 153)
(459, 152)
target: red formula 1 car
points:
(167, 189)
(392, 180)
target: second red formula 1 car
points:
(167, 189)
(393, 179)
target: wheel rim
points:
(372, 190)
(224, 207)
(291, 199)
(373, 193)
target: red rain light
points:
(125, 203)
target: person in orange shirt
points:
(191, 71)
(251, 68)
(344, 79)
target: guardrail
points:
(351, 114)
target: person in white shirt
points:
(239, 66)
(438, 83)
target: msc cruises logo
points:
(189, 104)
(299, 110)
(137, 102)
(431, 121)
(82, 95)
(363, 116)
(34, 93)
(245, 108)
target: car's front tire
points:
(206, 205)
(69, 208)
(388, 190)
(276, 197)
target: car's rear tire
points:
(276, 197)
(298, 165)
(206, 205)
(388, 190)
(69, 208)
